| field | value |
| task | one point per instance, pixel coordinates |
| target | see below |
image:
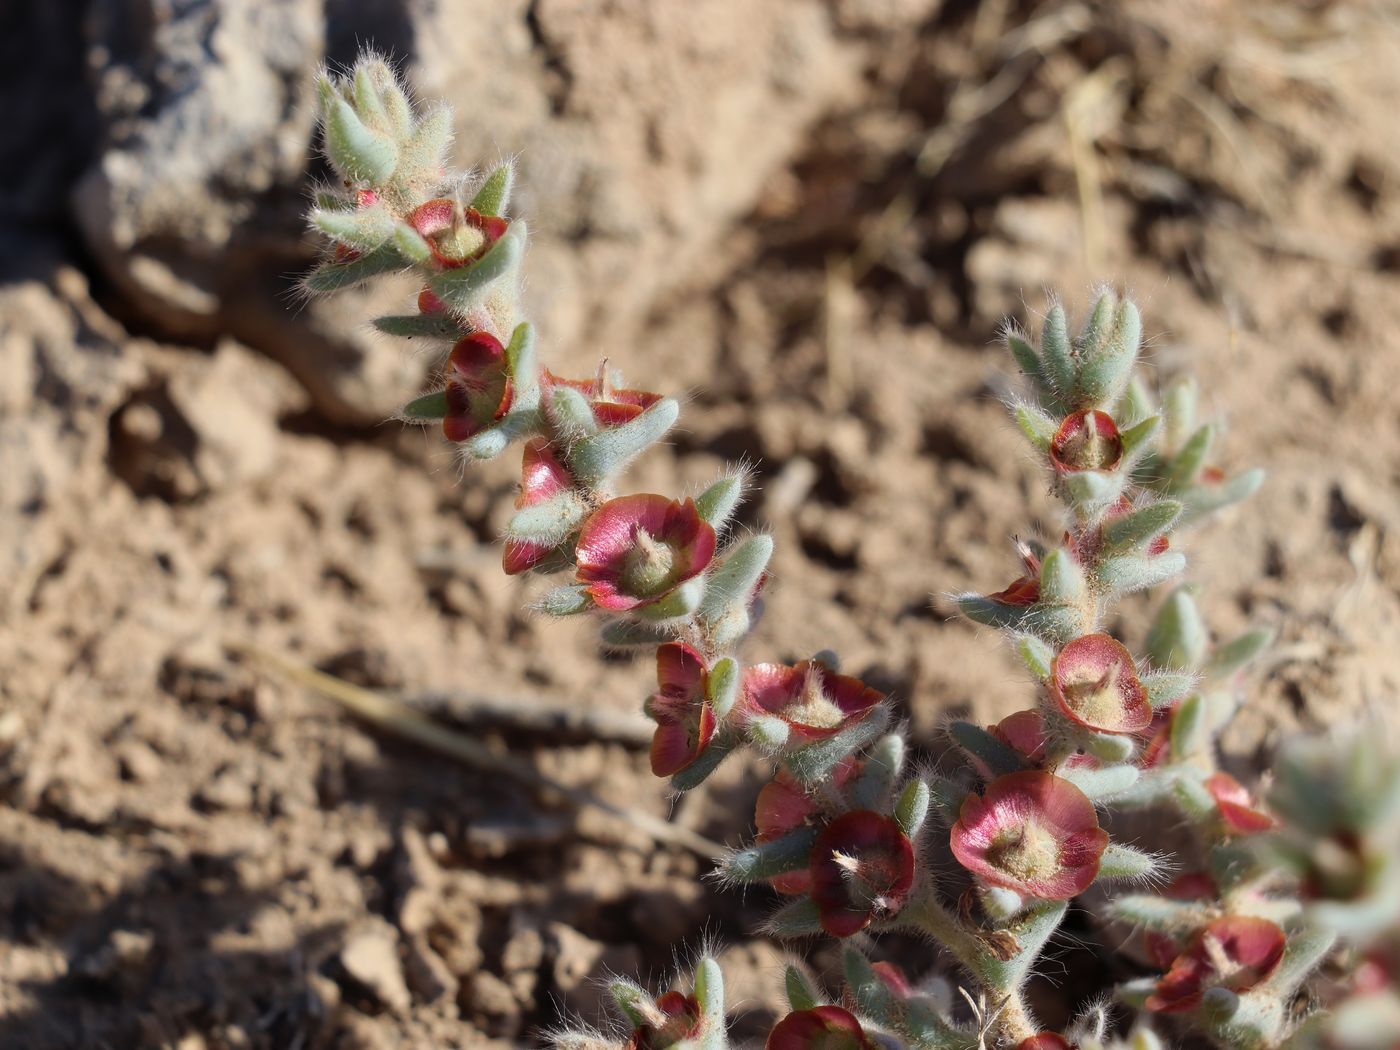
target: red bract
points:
(820, 1028)
(542, 477)
(893, 978)
(1236, 806)
(1045, 1041)
(479, 388)
(635, 550)
(611, 405)
(1033, 833)
(685, 722)
(812, 700)
(429, 302)
(1236, 952)
(1188, 886)
(1095, 683)
(1025, 590)
(1158, 750)
(1087, 440)
(783, 806)
(862, 869)
(1024, 732)
(456, 238)
(682, 1022)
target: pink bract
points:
(1045, 1041)
(1188, 886)
(635, 550)
(429, 302)
(685, 722)
(1025, 589)
(479, 388)
(1236, 952)
(783, 806)
(1095, 684)
(1087, 440)
(542, 477)
(1025, 733)
(452, 246)
(682, 1022)
(814, 701)
(1033, 833)
(820, 1028)
(1237, 806)
(611, 405)
(893, 978)
(862, 869)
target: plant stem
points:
(1014, 1020)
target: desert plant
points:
(1237, 927)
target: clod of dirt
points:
(581, 963)
(491, 1005)
(371, 959)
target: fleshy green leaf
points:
(494, 196)
(465, 288)
(764, 860)
(912, 808)
(1178, 639)
(430, 326)
(737, 574)
(360, 154)
(1140, 527)
(1239, 652)
(426, 409)
(607, 453)
(721, 499)
(980, 744)
(333, 276)
(1055, 360)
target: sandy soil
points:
(196, 853)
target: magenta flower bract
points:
(1025, 589)
(1033, 833)
(635, 550)
(685, 722)
(542, 477)
(814, 701)
(893, 978)
(1025, 733)
(1236, 952)
(1188, 886)
(1087, 440)
(1237, 806)
(455, 243)
(479, 388)
(611, 405)
(862, 869)
(783, 806)
(683, 1021)
(1095, 683)
(820, 1028)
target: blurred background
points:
(808, 216)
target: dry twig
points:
(403, 721)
